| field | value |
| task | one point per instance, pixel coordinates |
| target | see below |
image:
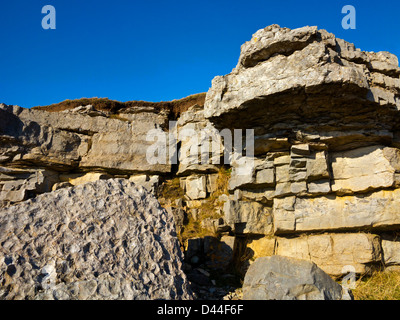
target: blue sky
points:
(155, 50)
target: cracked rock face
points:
(108, 239)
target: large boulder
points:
(282, 278)
(108, 239)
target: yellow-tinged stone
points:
(334, 253)
(377, 210)
(78, 179)
(263, 247)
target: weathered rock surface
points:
(21, 184)
(245, 217)
(282, 278)
(391, 250)
(365, 169)
(78, 140)
(108, 239)
(374, 211)
(332, 252)
(293, 76)
(200, 143)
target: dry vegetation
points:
(383, 285)
(175, 107)
(172, 191)
(207, 209)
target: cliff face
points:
(326, 122)
(325, 180)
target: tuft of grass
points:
(382, 285)
(172, 190)
(207, 208)
(118, 117)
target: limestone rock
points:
(282, 278)
(61, 185)
(78, 179)
(21, 184)
(86, 110)
(201, 143)
(196, 187)
(278, 64)
(78, 139)
(391, 252)
(364, 169)
(108, 239)
(247, 217)
(151, 183)
(372, 211)
(333, 252)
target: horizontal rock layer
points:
(77, 141)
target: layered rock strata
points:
(326, 155)
(326, 176)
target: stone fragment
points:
(61, 185)
(212, 183)
(283, 278)
(319, 187)
(151, 183)
(78, 179)
(201, 143)
(266, 177)
(300, 150)
(196, 187)
(317, 167)
(391, 252)
(17, 185)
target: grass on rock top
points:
(175, 107)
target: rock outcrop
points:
(74, 140)
(326, 148)
(323, 182)
(102, 240)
